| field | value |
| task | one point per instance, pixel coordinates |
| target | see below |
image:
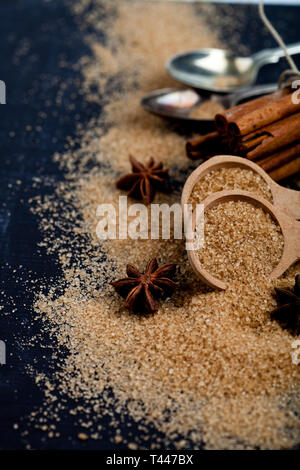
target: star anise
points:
(144, 180)
(288, 312)
(142, 290)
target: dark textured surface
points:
(39, 43)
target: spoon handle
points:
(239, 97)
(269, 56)
(287, 200)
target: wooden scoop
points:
(289, 227)
(285, 199)
(287, 202)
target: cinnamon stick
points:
(222, 120)
(280, 158)
(264, 115)
(289, 169)
(250, 142)
(202, 146)
(282, 133)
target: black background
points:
(32, 79)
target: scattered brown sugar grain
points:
(229, 179)
(242, 242)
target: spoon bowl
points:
(212, 69)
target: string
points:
(288, 75)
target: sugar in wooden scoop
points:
(242, 242)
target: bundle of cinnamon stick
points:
(265, 130)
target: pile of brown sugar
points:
(242, 242)
(209, 369)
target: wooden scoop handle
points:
(289, 227)
(287, 200)
(291, 251)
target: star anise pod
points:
(144, 180)
(288, 311)
(142, 290)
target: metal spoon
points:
(221, 71)
(180, 103)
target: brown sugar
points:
(206, 110)
(242, 242)
(229, 179)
